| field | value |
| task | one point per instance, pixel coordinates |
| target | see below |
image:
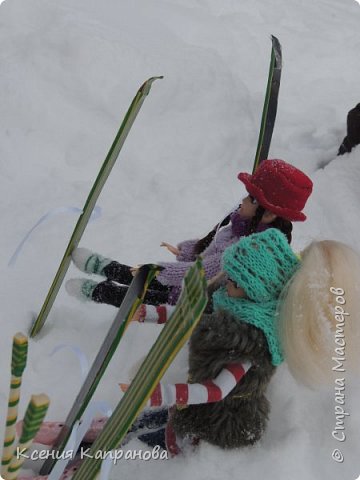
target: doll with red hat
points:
(277, 194)
(269, 307)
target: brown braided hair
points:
(204, 242)
(285, 226)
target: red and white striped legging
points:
(194, 393)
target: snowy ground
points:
(68, 71)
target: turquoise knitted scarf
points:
(261, 315)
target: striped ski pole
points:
(34, 416)
(270, 104)
(177, 330)
(91, 201)
(18, 364)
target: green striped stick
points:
(18, 364)
(91, 201)
(34, 416)
(174, 334)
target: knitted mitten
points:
(80, 288)
(89, 262)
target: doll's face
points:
(234, 291)
(248, 207)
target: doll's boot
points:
(90, 262)
(81, 288)
(104, 292)
(110, 292)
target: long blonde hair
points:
(319, 311)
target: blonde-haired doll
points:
(319, 324)
(270, 307)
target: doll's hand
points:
(134, 270)
(124, 386)
(139, 314)
(220, 277)
(171, 248)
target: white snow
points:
(68, 71)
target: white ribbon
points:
(60, 465)
(96, 213)
(105, 470)
(77, 434)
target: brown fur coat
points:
(240, 419)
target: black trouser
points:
(155, 421)
(112, 294)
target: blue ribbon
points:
(83, 361)
(96, 213)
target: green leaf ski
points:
(270, 104)
(91, 201)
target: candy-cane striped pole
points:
(18, 364)
(34, 416)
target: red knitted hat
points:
(280, 188)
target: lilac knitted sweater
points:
(174, 272)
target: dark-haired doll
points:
(271, 307)
(277, 194)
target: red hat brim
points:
(255, 191)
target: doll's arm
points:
(195, 393)
(186, 251)
(174, 272)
